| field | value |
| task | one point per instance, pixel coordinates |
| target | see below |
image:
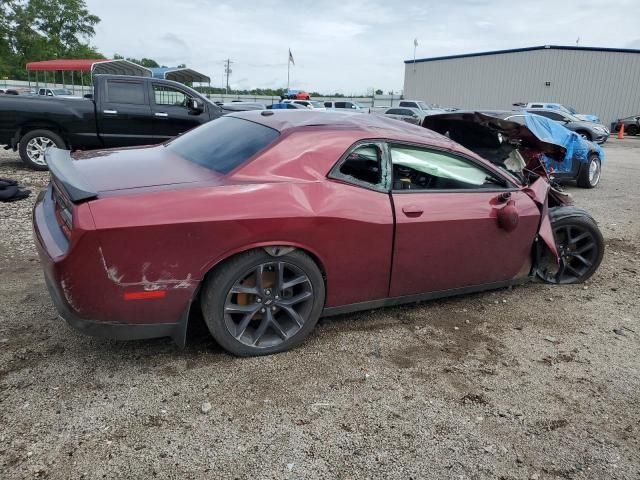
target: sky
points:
(349, 46)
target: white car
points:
(346, 106)
(56, 92)
(310, 104)
(421, 106)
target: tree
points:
(32, 30)
(379, 92)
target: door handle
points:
(110, 112)
(412, 210)
(161, 114)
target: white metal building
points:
(602, 81)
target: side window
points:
(406, 111)
(341, 104)
(327, 104)
(416, 168)
(394, 111)
(125, 92)
(551, 115)
(362, 166)
(537, 105)
(169, 96)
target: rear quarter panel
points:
(177, 237)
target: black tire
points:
(590, 173)
(580, 258)
(217, 292)
(27, 152)
(633, 130)
(585, 134)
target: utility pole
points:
(227, 71)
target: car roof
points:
(376, 125)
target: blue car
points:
(496, 135)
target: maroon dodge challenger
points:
(265, 221)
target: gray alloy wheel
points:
(33, 145)
(257, 304)
(268, 304)
(580, 247)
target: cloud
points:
(344, 46)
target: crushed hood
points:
(443, 123)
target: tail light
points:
(63, 209)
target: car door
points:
(448, 223)
(171, 116)
(359, 196)
(124, 115)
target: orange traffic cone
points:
(621, 131)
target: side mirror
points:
(195, 105)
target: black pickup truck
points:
(124, 111)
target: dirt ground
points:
(538, 382)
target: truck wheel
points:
(34, 143)
(589, 175)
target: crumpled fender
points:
(539, 193)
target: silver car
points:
(589, 130)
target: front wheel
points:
(589, 175)
(257, 304)
(580, 246)
(33, 145)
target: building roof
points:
(95, 66)
(526, 49)
(182, 75)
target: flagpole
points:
(415, 45)
(288, 67)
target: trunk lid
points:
(85, 175)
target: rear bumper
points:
(115, 331)
(58, 274)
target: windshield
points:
(424, 106)
(223, 144)
(61, 91)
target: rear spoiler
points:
(62, 168)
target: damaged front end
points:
(518, 151)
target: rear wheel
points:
(633, 130)
(33, 145)
(257, 304)
(589, 175)
(580, 247)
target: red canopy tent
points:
(91, 66)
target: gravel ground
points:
(532, 383)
